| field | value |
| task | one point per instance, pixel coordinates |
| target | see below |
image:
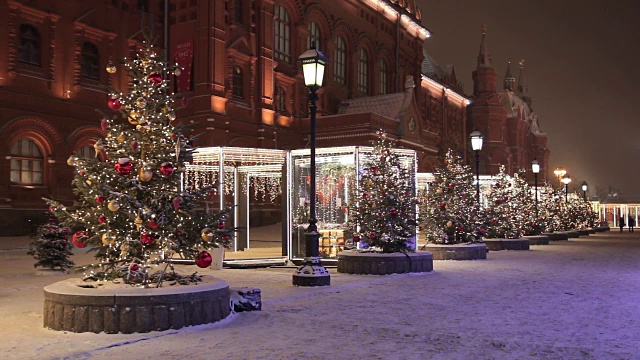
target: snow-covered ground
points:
(577, 299)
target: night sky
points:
(582, 63)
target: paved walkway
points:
(575, 299)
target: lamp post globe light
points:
(584, 190)
(566, 180)
(476, 145)
(560, 173)
(535, 168)
(311, 272)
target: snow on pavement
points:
(574, 299)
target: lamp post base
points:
(312, 273)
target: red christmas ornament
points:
(366, 195)
(134, 267)
(155, 78)
(393, 212)
(372, 235)
(443, 205)
(419, 228)
(166, 168)
(153, 224)
(114, 104)
(104, 124)
(221, 225)
(460, 228)
(81, 173)
(134, 145)
(102, 219)
(146, 239)
(204, 259)
(373, 169)
(176, 203)
(174, 137)
(100, 199)
(123, 166)
(356, 239)
(452, 186)
(79, 239)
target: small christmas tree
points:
(505, 211)
(50, 246)
(131, 207)
(384, 215)
(449, 213)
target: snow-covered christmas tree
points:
(131, 207)
(384, 215)
(449, 213)
(551, 209)
(524, 195)
(504, 210)
(50, 246)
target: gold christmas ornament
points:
(111, 68)
(449, 224)
(134, 118)
(107, 239)
(145, 174)
(138, 222)
(207, 235)
(72, 160)
(141, 102)
(121, 138)
(177, 72)
(113, 205)
(171, 116)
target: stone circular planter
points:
(355, 262)
(556, 236)
(120, 308)
(537, 239)
(602, 228)
(583, 232)
(474, 251)
(507, 244)
(572, 234)
(591, 231)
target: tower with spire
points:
(510, 128)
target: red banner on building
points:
(184, 59)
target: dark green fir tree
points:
(449, 213)
(384, 215)
(50, 246)
(131, 209)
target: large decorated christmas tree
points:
(50, 246)
(449, 213)
(551, 210)
(504, 210)
(524, 195)
(384, 215)
(130, 206)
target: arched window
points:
(90, 61)
(238, 83)
(238, 11)
(281, 98)
(314, 36)
(363, 71)
(340, 57)
(26, 163)
(29, 45)
(282, 34)
(383, 77)
(87, 152)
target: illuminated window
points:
(238, 83)
(363, 72)
(87, 152)
(383, 77)
(29, 45)
(314, 36)
(26, 163)
(340, 57)
(281, 100)
(90, 61)
(282, 34)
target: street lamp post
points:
(584, 190)
(312, 273)
(535, 168)
(476, 145)
(566, 180)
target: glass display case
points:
(336, 181)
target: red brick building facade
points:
(512, 135)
